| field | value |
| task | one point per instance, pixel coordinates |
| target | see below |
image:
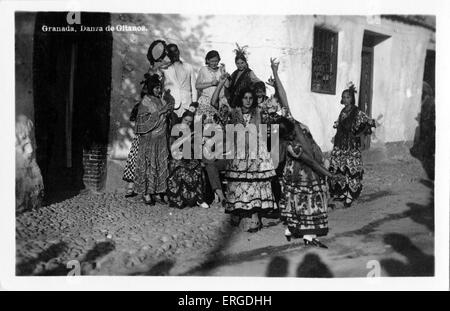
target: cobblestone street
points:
(392, 223)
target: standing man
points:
(179, 78)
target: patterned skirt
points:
(347, 168)
(249, 187)
(130, 166)
(303, 206)
(185, 184)
(152, 169)
(206, 110)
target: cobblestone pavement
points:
(108, 234)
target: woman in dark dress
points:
(304, 195)
(242, 78)
(346, 162)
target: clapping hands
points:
(274, 64)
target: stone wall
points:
(29, 184)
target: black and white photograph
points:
(292, 145)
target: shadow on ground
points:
(418, 263)
(311, 266)
(58, 268)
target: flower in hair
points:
(241, 50)
(351, 87)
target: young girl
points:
(128, 172)
(185, 184)
(346, 161)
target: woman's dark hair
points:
(259, 86)
(211, 54)
(241, 57)
(287, 127)
(194, 104)
(151, 81)
(351, 92)
(187, 113)
(241, 97)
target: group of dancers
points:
(297, 187)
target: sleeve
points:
(193, 89)
(253, 77)
(363, 122)
(202, 77)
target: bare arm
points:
(278, 85)
(205, 85)
(309, 161)
(215, 96)
(193, 89)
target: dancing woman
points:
(249, 192)
(346, 161)
(304, 198)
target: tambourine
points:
(157, 51)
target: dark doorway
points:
(370, 39)
(429, 71)
(71, 81)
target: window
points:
(324, 61)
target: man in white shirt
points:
(179, 78)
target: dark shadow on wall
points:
(418, 263)
(130, 50)
(425, 134)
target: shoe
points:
(130, 193)
(314, 242)
(149, 202)
(161, 199)
(203, 205)
(255, 229)
(288, 235)
(317, 243)
(348, 203)
(340, 198)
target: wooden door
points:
(365, 91)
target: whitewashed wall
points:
(398, 65)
